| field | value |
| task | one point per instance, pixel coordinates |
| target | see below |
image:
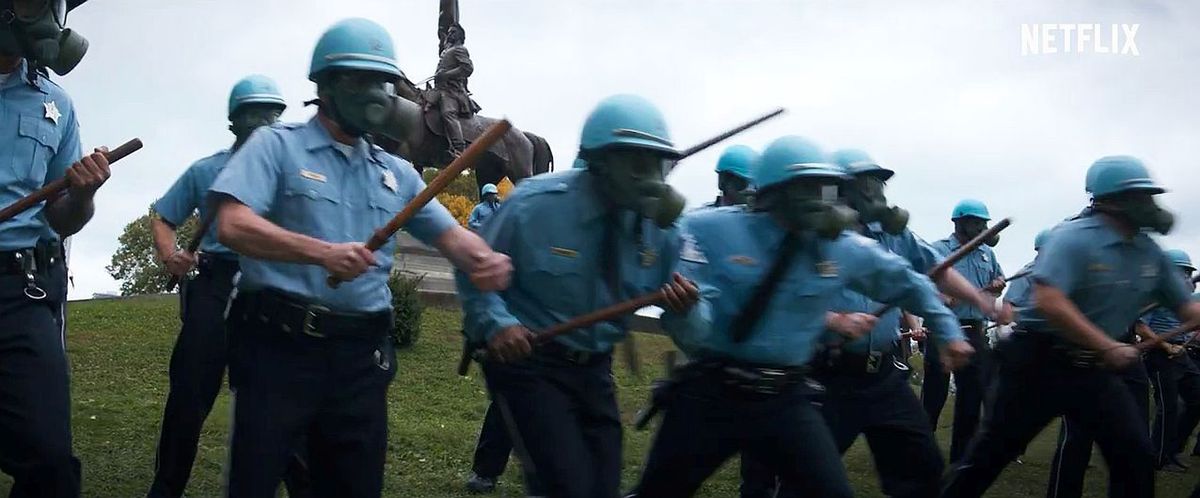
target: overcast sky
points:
(938, 91)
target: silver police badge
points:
(389, 180)
(52, 111)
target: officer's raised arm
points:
(694, 327)
(485, 313)
(887, 278)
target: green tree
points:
(135, 263)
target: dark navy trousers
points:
(35, 401)
(708, 422)
(196, 373)
(1035, 384)
(1074, 451)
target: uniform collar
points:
(953, 242)
(1105, 235)
(317, 137)
(591, 202)
(20, 76)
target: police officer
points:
(1173, 376)
(489, 202)
(39, 143)
(982, 270)
(307, 358)
(866, 379)
(767, 278)
(733, 175)
(1073, 455)
(199, 358)
(612, 238)
(1089, 283)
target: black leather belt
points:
(558, 351)
(35, 259)
(218, 263)
(295, 316)
(756, 379)
(857, 364)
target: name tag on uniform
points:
(564, 252)
(389, 180)
(1149, 271)
(1098, 267)
(742, 260)
(648, 257)
(312, 175)
(827, 269)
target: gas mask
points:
(732, 188)
(36, 30)
(363, 102)
(807, 205)
(249, 117)
(1139, 210)
(866, 196)
(969, 227)
(632, 179)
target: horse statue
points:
(517, 156)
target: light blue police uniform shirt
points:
(40, 137)
(1110, 279)
(552, 226)
(1162, 320)
(189, 193)
(1020, 292)
(980, 268)
(727, 252)
(883, 337)
(481, 213)
(294, 176)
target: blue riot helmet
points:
(354, 66)
(489, 189)
(796, 184)
(626, 145)
(254, 101)
(733, 173)
(865, 192)
(1121, 186)
(970, 219)
(255, 89)
(1180, 259)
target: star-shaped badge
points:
(52, 111)
(389, 180)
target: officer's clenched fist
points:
(681, 294)
(511, 344)
(346, 261)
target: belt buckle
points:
(310, 315)
(771, 381)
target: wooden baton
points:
(56, 188)
(956, 256)
(468, 158)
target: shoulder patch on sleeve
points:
(690, 250)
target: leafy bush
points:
(504, 187)
(458, 205)
(406, 308)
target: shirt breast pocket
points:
(37, 142)
(384, 205)
(559, 279)
(310, 207)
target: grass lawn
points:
(120, 348)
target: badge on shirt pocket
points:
(389, 180)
